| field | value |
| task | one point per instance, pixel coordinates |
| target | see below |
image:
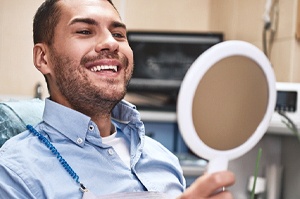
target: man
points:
(90, 135)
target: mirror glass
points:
(229, 103)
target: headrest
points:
(15, 115)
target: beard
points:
(81, 92)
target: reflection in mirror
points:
(230, 102)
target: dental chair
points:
(15, 115)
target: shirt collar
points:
(75, 125)
(125, 112)
(69, 122)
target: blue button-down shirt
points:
(28, 169)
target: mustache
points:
(105, 55)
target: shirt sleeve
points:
(12, 185)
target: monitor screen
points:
(161, 60)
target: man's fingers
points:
(218, 180)
(208, 185)
(222, 195)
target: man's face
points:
(90, 58)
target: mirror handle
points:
(217, 164)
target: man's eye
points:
(118, 35)
(84, 32)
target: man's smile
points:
(104, 68)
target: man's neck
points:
(104, 125)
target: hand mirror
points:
(225, 102)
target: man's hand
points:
(209, 185)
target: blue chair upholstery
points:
(15, 115)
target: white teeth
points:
(104, 67)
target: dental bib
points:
(133, 195)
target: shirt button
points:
(110, 151)
(79, 140)
(91, 127)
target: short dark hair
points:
(45, 21)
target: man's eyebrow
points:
(117, 24)
(90, 21)
(84, 20)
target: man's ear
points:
(41, 58)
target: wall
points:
(18, 75)
(243, 20)
(173, 15)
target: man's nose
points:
(107, 42)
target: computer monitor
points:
(161, 60)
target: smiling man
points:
(87, 62)
(90, 139)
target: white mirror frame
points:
(218, 160)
